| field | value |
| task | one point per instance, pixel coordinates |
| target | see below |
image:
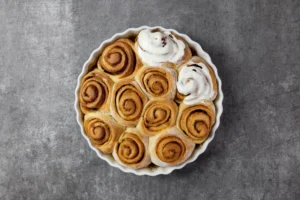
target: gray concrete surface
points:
(256, 151)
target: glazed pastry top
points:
(195, 82)
(155, 48)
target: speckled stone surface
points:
(256, 151)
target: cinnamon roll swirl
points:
(119, 59)
(197, 120)
(102, 130)
(127, 102)
(157, 116)
(170, 147)
(95, 92)
(131, 150)
(157, 82)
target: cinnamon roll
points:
(95, 92)
(157, 116)
(197, 120)
(102, 130)
(119, 59)
(170, 147)
(156, 48)
(128, 102)
(131, 150)
(157, 82)
(196, 82)
(179, 97)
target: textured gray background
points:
(254, 44)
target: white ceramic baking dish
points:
(151, 171)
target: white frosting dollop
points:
(194, 80)
(155, 48)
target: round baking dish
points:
(151, 171)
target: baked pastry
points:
(157, 82)
(179, 97)
(149, 101)
(95, 91)
(102, 130)
(157, 47)
(170, 147)
(119, 59)
(132, 150)
(196, 82)
(157, 116)
(127, 102)
(197, 120)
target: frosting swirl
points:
(195, 82)
(155, 48)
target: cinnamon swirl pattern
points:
(102, 130)
(95, 92)
(148, 101)
(157, 116)
(157, 82)
(128, 102)
(196, 120)
(119, 59)
(170, 147)
(131, 150)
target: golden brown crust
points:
(119, 59)
(187, 52)
(170, 147)
(131, 150)
(179, 97)
(197, 120)
(102, 130)
(128, 102)
(95, 91)
(157, 116)
(157, 82)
